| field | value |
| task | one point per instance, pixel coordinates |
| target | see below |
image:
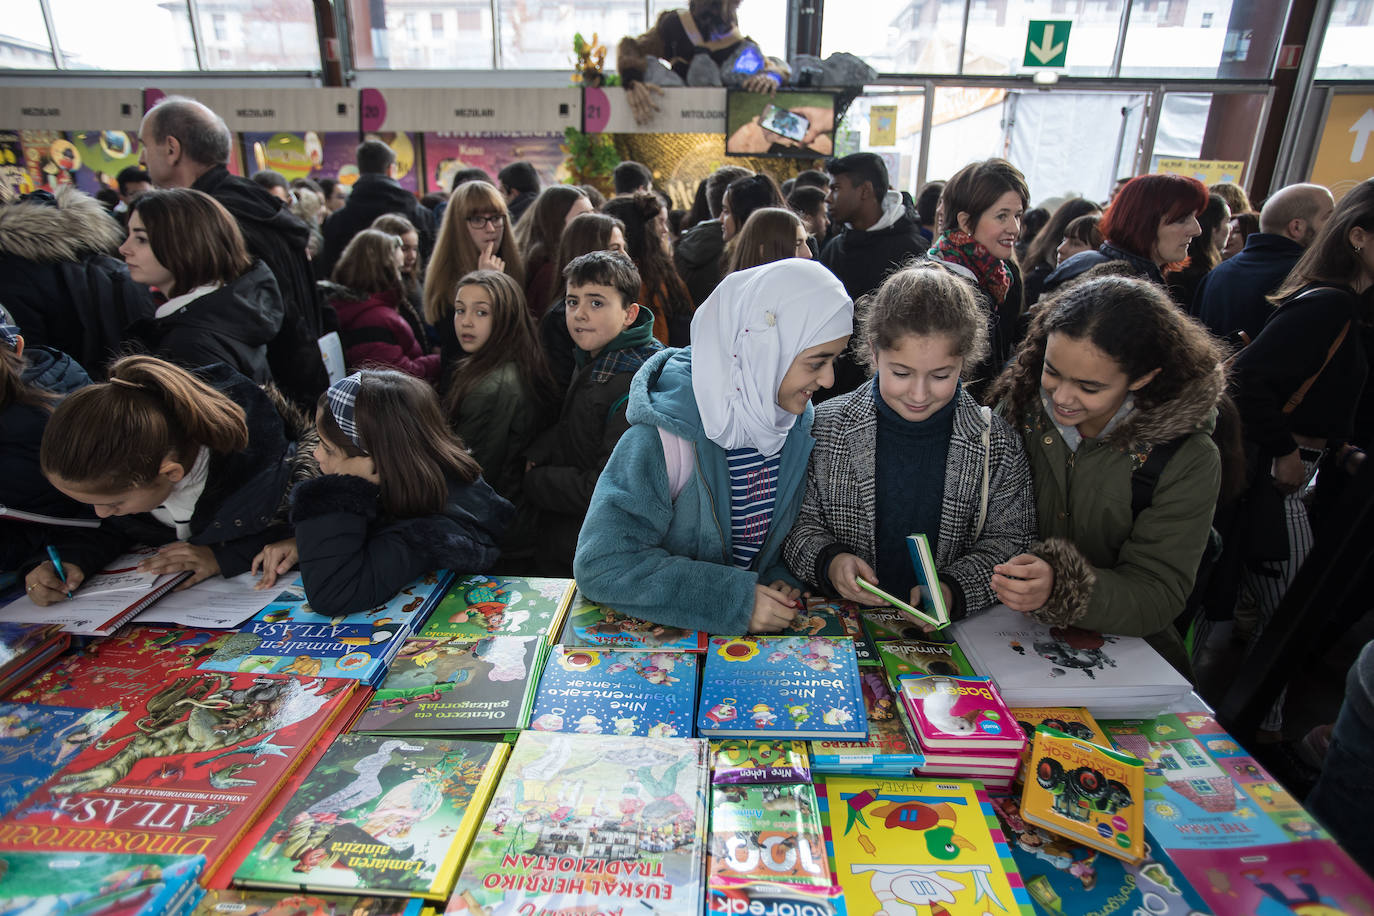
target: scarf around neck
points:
(958, 247)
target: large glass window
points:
(997, 34)
(538, 34)
(1203, 39)
(24, 38)
(896, 36)
(161, 39)
(1349, 36)
(889, 125)
(967, 124)
(258, 35)
(1212, 127)
(387, 34)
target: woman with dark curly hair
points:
(646, 242)
(1112, 377)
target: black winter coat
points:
(373, 196)
(697, 258)
(231, 325)
(241, 509)
(279, 238)
(60, 279)
(1085, 261)
(22, 484)
(353, 559)
(1232, 297)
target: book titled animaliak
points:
(1087, 793)
(932, 609)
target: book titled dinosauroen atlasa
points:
(184, 772)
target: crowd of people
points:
(1114, 421)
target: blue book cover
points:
(890, 747)
(37, 741)
(92, 883)
(783, 687)
(595, 691)
(289, 637)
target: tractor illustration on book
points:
(1080, 792)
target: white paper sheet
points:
(216, 604)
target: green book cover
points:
(769, 833)
(480, 606)
(384, 816)
(919, 657)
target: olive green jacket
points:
(1115, 573)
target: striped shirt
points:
(753, 490)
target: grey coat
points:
(838, 514)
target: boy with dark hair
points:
(631, 176)
(375, 193)
(697, 255)
(519, 184)
(614, 336)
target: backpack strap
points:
(680, 460)
(1301, 393)
(1145, 478)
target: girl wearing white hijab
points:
(688, 518)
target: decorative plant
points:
(591, 157)
(590, 63)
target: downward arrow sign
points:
(1362, 129)
(1047, 50)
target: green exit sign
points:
(1047, 42)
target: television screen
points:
(795, 123)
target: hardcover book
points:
(454, 685)
(886, 623)
(185, 771)
(960, 713)
(109, 672)
(890, 748)
(739, 760)
(594, 692)
(95, 884)
(920, 657)
(594, 626)
(37, 741)
(592, 823)
(289, 637)
(239, 902)
(1064, 877)
(480, 606)
(1071, 720)
(766, 834)
(919, 846)
(782, 686)
(1310, 877)
(835, 618)
(1088, 793)
(384, 816)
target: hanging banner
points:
(882, 125)
(70, 109)
(261, 109)
(680, 111)
(447, 153)
(1207, 171)
(304, 154)
(494, 112)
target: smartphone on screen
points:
(786, 123)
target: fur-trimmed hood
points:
(47, 228)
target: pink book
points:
(960, 713)
(1308, 876)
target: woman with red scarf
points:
(980, 221)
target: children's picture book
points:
(1071, 720)
(96, 884)
(835, 618)
(289, 637)
(592, 824)
(919, 846)
(376, 815)
(1203, 790)
(451, 685)
(1064, 877)
(782, 686)
(917, 656)
(1038, 665)
(239, 902)
(928, 580)
(772, 898)
(37, 741)
(1088, 793)
(766, 834)
(596, 692)
(595, 626)
(739, 760)
(480, 606)
(26, 649)
(1311, 877)
(959, 713)
(886, 623)
(890, 748)
(110, 672)
(185, 771)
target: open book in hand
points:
(932, 608)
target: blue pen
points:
(57, 564)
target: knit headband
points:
(342, 397)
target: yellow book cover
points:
(472, 817)
(1071, 720)
(1087, 793)
(921, 846)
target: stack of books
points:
(1115, 677)
(963, 729)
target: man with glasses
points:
(376, 192)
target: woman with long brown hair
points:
(769, 234)
(538, 235)
(647, 244)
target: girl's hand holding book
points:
(274, 560)
(179, 556)
(844, 570)
(45, 586)
(1023, 583)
